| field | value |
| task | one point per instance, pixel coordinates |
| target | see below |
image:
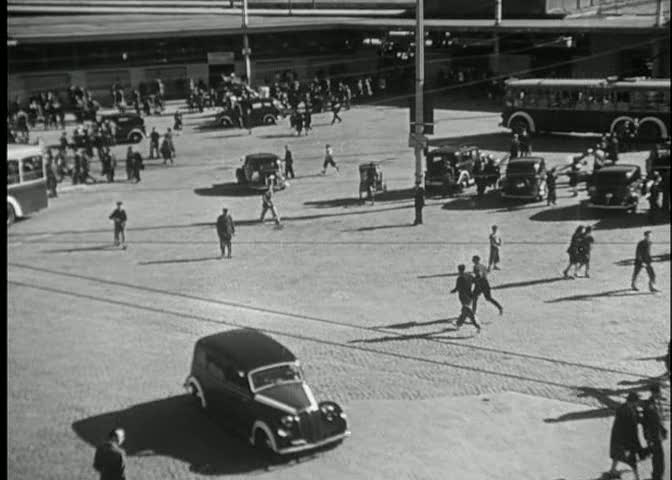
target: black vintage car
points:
(450, 169)
(130, 127)
(259, 169)
(616, 187)
(255, 386)
(525, 179)
(265, 111)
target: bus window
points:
(32, 168)
(564, 99)
(12, 172)
(623, 97)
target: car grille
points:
(312, 426)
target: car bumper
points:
(300, 447)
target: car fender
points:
(524, 115)
(617, 120)
(658, 122)
(17, 208)
(260, 425)
(191, 380)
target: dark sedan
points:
(616, 187)
(255, 386)
(525, 179)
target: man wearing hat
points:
(643, 259)
(225, 231)
(624, 445)
(110, 458)
(118, 216)
(654, 431)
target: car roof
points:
(261, 156)
(621, 167)
(247, 348)
(16, 151)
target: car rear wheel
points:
(226, 122)
(11, 214)
(135, 137)
(269, 120)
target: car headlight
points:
(330, 411)
(592, 190)
(288, 421)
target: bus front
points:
(26, 181)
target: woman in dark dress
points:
(573, 251)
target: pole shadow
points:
(528, 283)
(96, 248)
(179, 260)
(174, 427)
(665, 257)
(624, 292)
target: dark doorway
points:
(215, 73)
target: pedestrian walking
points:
(525, 143)
(51, 178)
(514, 149)
(463, 286)
(572, 251)
(289, 163)
(612, 148)
(335, 108)
(308, 118)
(177, 124)
(130, 160)
(495, 245)
(653, 187)
(137, 166)
(329, 159)
(154, 138)
(419, 203)
(624, 445)
(655, 432)
(110, 458)
(225, 230)
(267, 203)
(573, 174)
(166, 150)
(643, 259)
(551, 179)
(584, 247)
(482, 285)
(118, 216)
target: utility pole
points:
(659, 13)
(419, 87)
(495, 38)
(246, 46)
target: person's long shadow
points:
(665, 257)
(623, 292)
(418, 324)
(174, 427)
(380, 227)
(229, 189)
(179, 260)
(438, 275)
(528, 283)
(418, 336)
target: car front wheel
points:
(11, 214)
(135, 137)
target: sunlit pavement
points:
(99, 336)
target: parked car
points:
(254, 385)
(616, 187)
(525, 179)
(450, 168)
(130, 127)
(259, 169)
(265, 111)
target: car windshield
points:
(276, 375)
(515, 168)
(262, 163)
(614, 178)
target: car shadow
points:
(174, 427)
(609, 220)
(229, 189)
(489, 201)
(389, 196)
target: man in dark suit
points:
(118, 216)
(463, 286)
(643, 259)
(289, 162)
(110, 458)
(654, 431)
(225, 230)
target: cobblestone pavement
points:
(97, 334)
